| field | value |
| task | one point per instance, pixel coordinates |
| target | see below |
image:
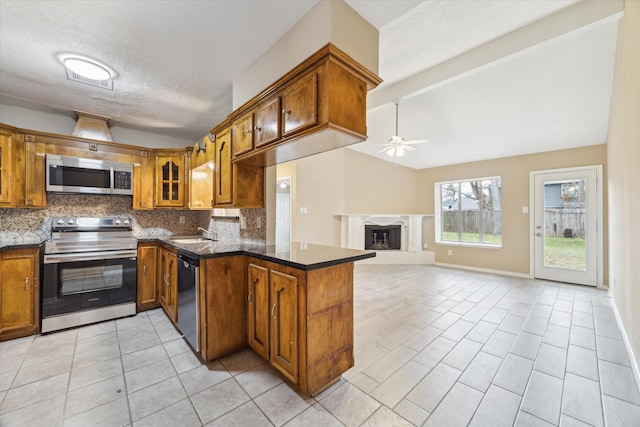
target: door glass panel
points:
(174, 171)
(565, 217)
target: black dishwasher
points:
(188, 310)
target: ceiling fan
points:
(397, 146)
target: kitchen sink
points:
(188, 240)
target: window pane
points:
(491, 213)
(470, 212)
(450, 212)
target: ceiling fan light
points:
(399, 152)
(391, 151)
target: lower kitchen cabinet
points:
(168, 283)
(19, 293)
(258, 309)
(223, 306)
(147, 276)
(284, 323)
(309, 321)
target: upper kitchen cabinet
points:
(224, 179)
(143, 187)
(201, 178)
(242, 135)
(6, 168)
(170, 182)
(236, 185)
(267, 128)
(318, 106)
(300, 104)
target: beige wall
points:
(514, 171)
(623, 151)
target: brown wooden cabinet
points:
(224, 178)
(284, 323)
(267, 128)
(143, 184)
(35, 195)
(258, 309)
(168, 283)
(309, 320)
(19, 293)
(242, 138)
(170, 179)
(300, 104)
(6, 168)
(318, 106)
(147, 276)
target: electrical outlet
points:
(525, 209)
(450, 252)
(181, 219)
(301, 209)
(243, 223)
(259, 222)
(425, 246)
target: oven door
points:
(77, 282)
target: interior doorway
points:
(283, 212)
(567, 238)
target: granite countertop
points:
(300, 255)
(303, 256)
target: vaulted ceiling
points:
(481, 79)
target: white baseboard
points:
(627, 343)
(401, 258)
(485, 270)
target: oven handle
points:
(91, 256)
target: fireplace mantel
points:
(353, 229)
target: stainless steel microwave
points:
(77, 175)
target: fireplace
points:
(383, 237)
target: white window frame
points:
(437, 192)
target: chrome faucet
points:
(208, 234)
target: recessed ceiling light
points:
(86, 67)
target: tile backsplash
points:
(16, 224)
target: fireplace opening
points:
(382, 237)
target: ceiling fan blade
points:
(409, 148)
(417, 141)
(383, 150)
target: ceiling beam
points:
(579, 17)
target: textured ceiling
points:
(177, 59)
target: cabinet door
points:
(34, 170)
(143, 183)
(242, 135)
(258, 309)
(300, 105)
(19, 278)
(267, 128)
(284, 323)
(147, 263)
(171, 286)
(169, 181)
(6, 166)
(224, 181)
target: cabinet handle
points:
(26, 283)
(166, 279)
(273, 308)
(248, 131)
(144, 270)
(285, 111)
(249, 297)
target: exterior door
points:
(567, 207)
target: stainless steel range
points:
(90, 272)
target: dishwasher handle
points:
(188, 259)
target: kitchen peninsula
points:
(293, 306)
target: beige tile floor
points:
(433, 347)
